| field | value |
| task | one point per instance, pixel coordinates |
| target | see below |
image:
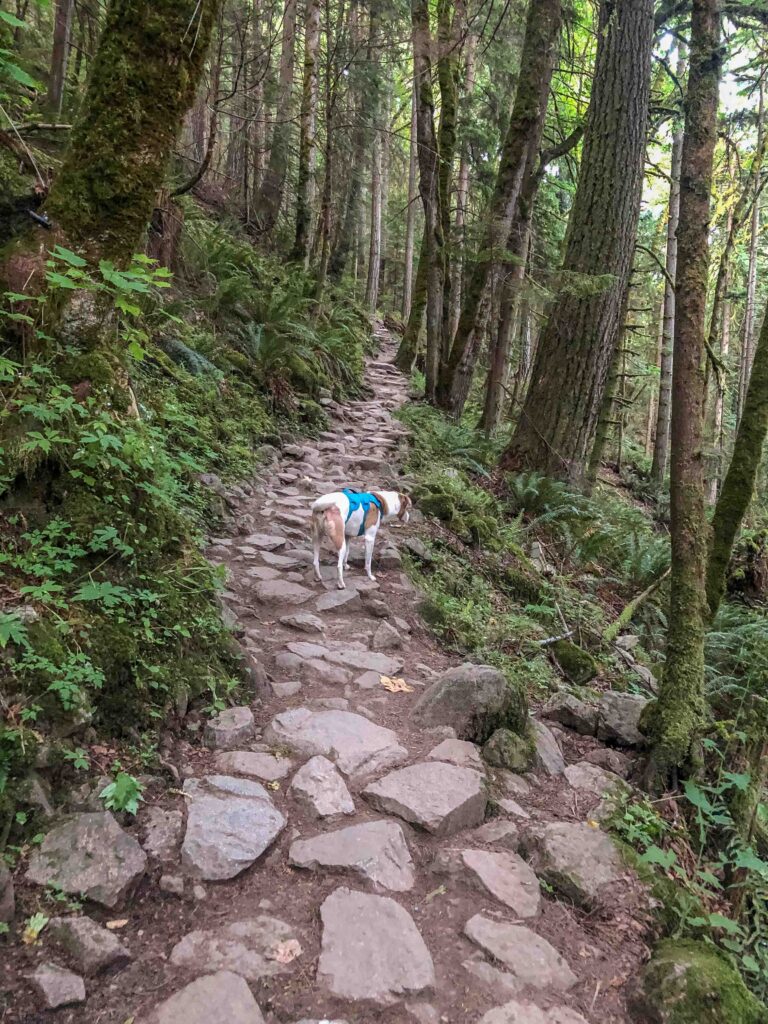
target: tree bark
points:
(151, 54)
(428, 156)
(270, 197)
(521, 144)
(308, 120)
(678, 715)
(748, 330)
(556, 429)
(739, 483)
(409, 346)
(410, 215)
(61, 28)
(462, 197)
(664, 408)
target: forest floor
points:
(428, 915)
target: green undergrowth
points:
(113, 458)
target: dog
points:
(344, 514)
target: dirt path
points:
(408, 907)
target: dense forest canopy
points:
(558, 210)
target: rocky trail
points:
(340, 850)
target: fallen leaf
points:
(397, 685)
(593, 824)
(439, 891)
(120, 923)
(285, 952)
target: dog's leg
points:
(343, 550)
(316, 546)
(370, 540)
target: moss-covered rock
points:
(475, 700)
(688, 982)
(507, 749)
(576, 664)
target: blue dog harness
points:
(363, 500)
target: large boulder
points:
(577, 860)
(619, 719)
(222, 996)
(474, 700)
(576, 664)
(94, 949)
(371, 949)
(89, 855)
(230, 823)
(688, 982)
(441, 798)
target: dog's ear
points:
(405, 504)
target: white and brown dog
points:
(345, 514)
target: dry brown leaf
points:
(285, 952)
(396, 685)
(120, 923)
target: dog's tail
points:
(324, 502)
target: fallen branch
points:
(629, 610)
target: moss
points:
(577, 665)
(508, 749)
(689, 982)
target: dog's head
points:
(405, 507)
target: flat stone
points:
(230, 823)
(162, 832)
(306, 649)
(262, 766)
(368, 680)
(503, 875)
(526, 955)
(57, 987)
(89, 855)
(589, 777)
(263, 572)
(516, 1012)
(572, 713)
(499, 832)
(501, 984)
(172, 884)
(319, 788)
(231, 728)
(371, 949)
(386, 638)
(304, 622)
(375, 850)
(287, 689)
(315, 670)
(423, 1013)
(335, 600)
(612, 760)
(369, 661)
(250, 947)
(441, 798)
(281, 592)
(351, 741)
(222, 996)
(619, 719)
(512, 808)
(91, 947)
(513, 784)
(459, 752)
(575, 859)
(548, 756)
(267, 541)
(7, 898)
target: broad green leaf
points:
(655, 855)
(726, 923)
(69, 257)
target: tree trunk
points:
(270, 197)
(462, 198)
(151, 55)
(664, 408)
(60, 54)
(521, 145)
(677, 717)
(428, 156)
(739, 483)
(556, 429)
(410, 216)
(374, 248)
(748, 330)
(409, 346)
(307, 137)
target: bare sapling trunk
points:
(60, 55)
(308, 119)
(677, 718)
(410, 215)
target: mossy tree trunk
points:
(677, 717)
(151, 57)
(307, 136)
(555, 432)
(521, 146)
(739, 484)
(409, 346)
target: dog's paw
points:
(341, 586)
(371, 577)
